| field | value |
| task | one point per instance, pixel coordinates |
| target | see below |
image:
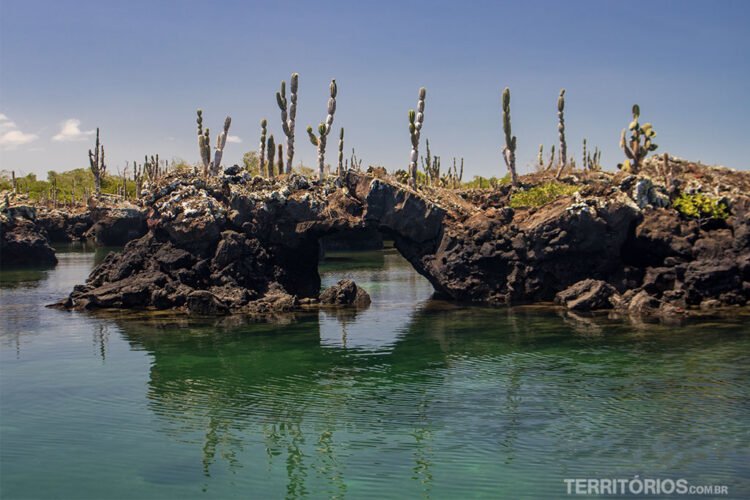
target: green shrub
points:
(541, 195)
(701, 206)
(479, 182)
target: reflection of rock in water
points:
(235, 390)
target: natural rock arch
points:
(251, 244)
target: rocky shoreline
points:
(234, 243)
(28, 232)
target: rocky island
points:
(237, 243)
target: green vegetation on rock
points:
(541, 195)
(701, 206)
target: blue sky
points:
(139, 69)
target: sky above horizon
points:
(139, 70)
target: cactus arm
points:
(311, 135)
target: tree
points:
(251, 162)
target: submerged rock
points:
(587, 295)
(345, 293)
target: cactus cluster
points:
(97, 165)
(509, 151)
(204, 145)
(455, 175)
(355, 163)
(591, 160)
(221, 142)
(151, 168)
(288, 116)
(323, 130)
(561, 132)
(638, 146)
(137, 178)
(431, 166)
(416, 119)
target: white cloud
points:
(234, 139)
(70, 130)
(11, 137)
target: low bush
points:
(701, 206)
(541, 195)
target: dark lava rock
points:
(345, 293)
(254, 247)
(63, 227)
(233, 170)
(21, 241)
(116, 226)
(587, 295)
(204, 303)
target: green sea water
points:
(411, 398)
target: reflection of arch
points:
(281, 393)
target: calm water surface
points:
(410, 398)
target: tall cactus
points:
(561, 131)
(221, 142)
(341, 151)
(270, 151)
(585, 159)
(204, 143)
(97, 165)
(509, 151)
(634, 149)
(323, 130)
(288, 116)
(416, 119)
(262, 148)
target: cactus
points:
(280, 159)
(221, 142)
(509, 151)
(97, 165)
(540, 158)
(288, 118)
(270, 151)
(138, 179)
(639, 145)
(323, 130)
(204, 144)
(416, 119)
(341, 151)
(262, 152)
(585, 159)
(551, 157)
(561, 131)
